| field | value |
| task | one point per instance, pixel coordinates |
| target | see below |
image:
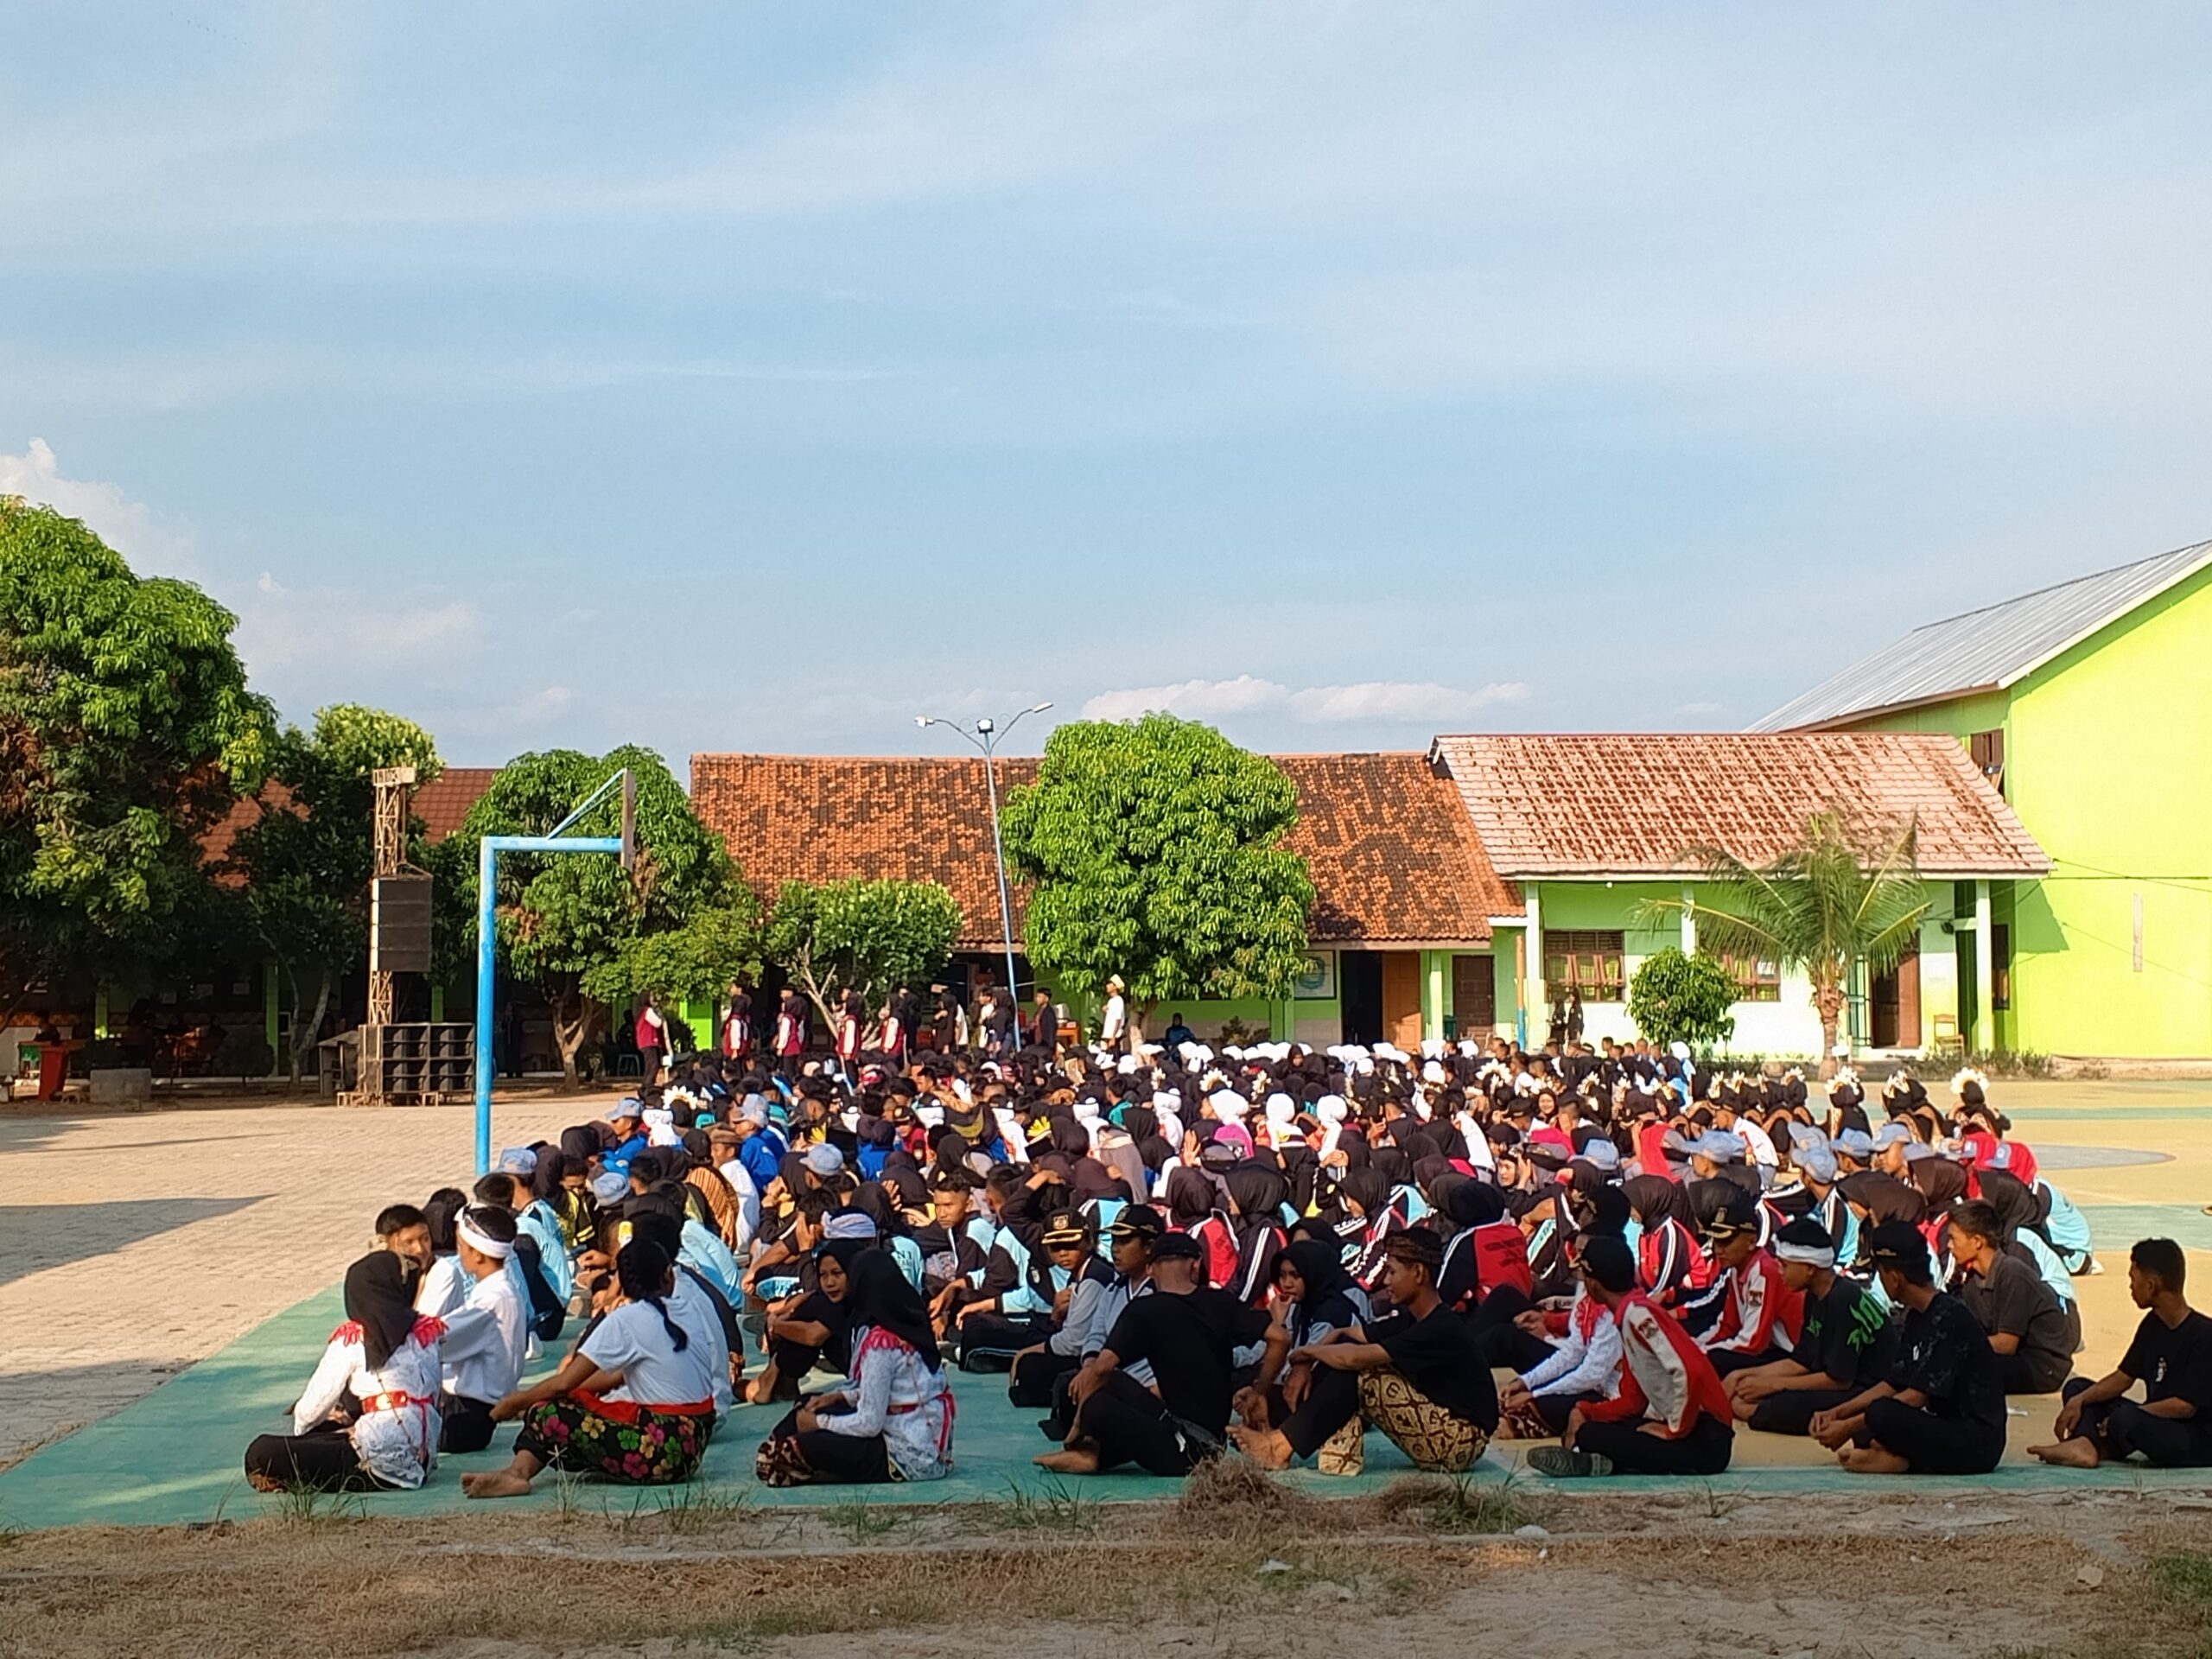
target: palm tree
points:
(1830, 902)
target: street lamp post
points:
(986, 736)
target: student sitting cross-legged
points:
(1670, 1414)
(1941, 1410)
(634, 1403)
(1416, 1374)
(1846, 1346)
(2170, 1357)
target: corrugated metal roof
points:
(1996, 646)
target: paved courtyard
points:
(134, 1245)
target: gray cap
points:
(825, 1160)
(1719, 1146)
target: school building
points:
(1463, 890)
(2088, 708)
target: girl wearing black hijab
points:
(816, 1330)
(892, 1420)
(1313, 1296)
(369, 1418)
(1368, 1219)
(1256, 1196)
(1486, 1273)
(1190, 1199)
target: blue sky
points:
(755, 377)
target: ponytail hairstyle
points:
(440, 1211)
(641, 1269)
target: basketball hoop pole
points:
(488, 850)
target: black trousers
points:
(844, 1459)
(1508, 1345)
(1031, 1382)
(1555, 1408)
(1125, 1422)
(323, 1458)
(989, 1341)
(1332, 1401)
(467, 1424)
(1792, 1412)
(1933, 1445)
(2036, 1372)
(1703, 1451)
(2122, 1427)
(1729, 1360)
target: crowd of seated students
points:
(1176, 1253)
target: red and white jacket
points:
(1667, 1260)
(1761, 1312)
(1665, 1375)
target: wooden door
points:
(1474, 996)
(1402, 998)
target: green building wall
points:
(2105, 749)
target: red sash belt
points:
(627, 1411)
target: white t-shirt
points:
(632, 1340)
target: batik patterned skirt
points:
(1416, 1425)
(616, 1440)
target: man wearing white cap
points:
(1114, 1023)
(488, 1337)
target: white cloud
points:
(324, 629)
(1416, 702)
(131, 528)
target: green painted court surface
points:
(174, 1456)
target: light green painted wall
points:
(2105, 753)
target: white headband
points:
(1812, 1255)
(483, 1243)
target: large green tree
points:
(126, 732)
(305, 860)
(861, 936)
(1842, 895)
(577, 926)
(1154, 851)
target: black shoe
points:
(1563, 1464)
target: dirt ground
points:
(1239, 1567)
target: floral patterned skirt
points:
(639, 1445)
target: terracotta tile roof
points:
(1633, 804)
(443, 802)
(1392, 854)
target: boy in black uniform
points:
(1846, 1346)
(1189, 1334)
(1941, 1410)
(2171, 1357)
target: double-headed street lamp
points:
(986, 736)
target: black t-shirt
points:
(1438, 1355)
(2174, 1363)
(1944, 1353)
(1190, 1343)
(2012, 1300)
(1848, 1335)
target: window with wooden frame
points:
(2000, 968)
(1591, 961)
(1987, 749)
(1756, 980)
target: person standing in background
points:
(1114, 1024)
(790, 1034)
(651, 1034)
(737, 1029)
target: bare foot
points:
(264, 1482)
(1269, 1447)
(1872, 1460)
(496, 1483)
(1068, 1463)
(2068, 1454)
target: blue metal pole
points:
(1006, 907)
(488, 874)
(487, 897)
